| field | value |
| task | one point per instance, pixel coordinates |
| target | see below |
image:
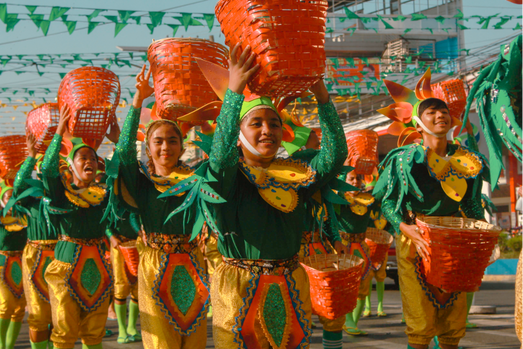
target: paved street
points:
(493, 332)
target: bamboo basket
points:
(13, 152)
(334, 283)
(453, 93)
(363, 151)
(42, 123)
(130, 256)
(379, 242)
(460, 251)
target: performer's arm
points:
(394, 218)
(471, 204)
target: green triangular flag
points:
(185, 20)
(125, 15)
(407, 30)
(41, 73)
(41, 57)
(31, 9)
(94, 15)
(57, 12)
(144, 57)
(502, 22)
(62, 75)
(156, 18)
(18, 73)
(71, 26)
(137, 19)
(151, 27)
(365, 60)
(387, 25)
(195, 22)
(209, 18)
(458, 15)
(399, 18)
(37, 19)
(174, 28)
(440, 19)
(462, 27)
(113, 19)
(429, 29)
(350, 14)
(328, 30)
(3, 13)
(91, 26)
(418, 16)
(44, 25)
(517, 27)
(118, 28)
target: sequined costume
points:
(260, 294)
(172, 285)
(415, 181)
(79, 279)
(37, 255)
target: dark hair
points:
(431, 103)
(150, 130)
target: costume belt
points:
(43, 245)
(11, 253)
(170, 243)
(124, 238)
(265, 266)
(83, 242)
(353, 238)
(310, 237)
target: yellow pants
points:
(212, 255)
(39, 308)
(233, 292)
(70, 321)
(157, 330)
(424, 319)
(122, 286)
(379, 275)
(11, 307)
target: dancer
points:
(172, 285)
(79, 279)
(13, 236)
(411, 185)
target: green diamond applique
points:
(16, 273)
(274, 313)
(90, 277)
(44, 268)
(183, 289)
(318, 251)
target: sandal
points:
(381, 314)
(123, 340)
(366, 313)
(470, 325)
(135, 337)
(354, 331)
(108, 333)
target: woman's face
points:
(165, 146)
(263, 129)
(436, 120)
(86, 164)
(354, 180)
(7, 195)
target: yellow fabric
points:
(122, 287)
(10, 307)
(69, 320)
(91, 196)
(424, 321)
(228, 290)
(39, 310)
(212, 255)
(360, 202)
(13, 224)
(157, 333)
(379, 275)
(519, 300)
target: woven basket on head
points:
(453, 93)
(363, 151)
(334, 283)
(460, 250)
(92, 94)
(179, 85)
(41, 123)
(379, 242)
(288, 37)
(13, 151)
(130, 256)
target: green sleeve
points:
(331, 231)
(471, 204)
(329, 161)
(50, 170)
(127, 154)
(24, 173)
(388, 209)
(473, 145)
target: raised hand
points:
(320, 92)
(64, 119)
(143, 89)
(241, 69)
(31, 145)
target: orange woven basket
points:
(334, 283)
(179, 85)
(13, 152)
(41, 123)
(460, 250)
(130, 256)
(379, 242)
(92, 94)
(288, 37)
(453, 93)
(363, 150)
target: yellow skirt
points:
(428, 312)
(173, 299)
(212, 255)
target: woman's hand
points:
(240, 70)
(115, 242)
(31, 145)
(114, 134)
(413, 232)
(320, 92)
(340, 248)
(64, 119)
(143, 89)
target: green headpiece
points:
(77, 145)
(262, 102)
(4, 188)
(301, 136)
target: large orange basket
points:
(460, 251)
(453, 93)
(13, 152)
(334, 283)
(179, 85)
(363, 150)
(130, 256)
(379, 242)
(41, 123)
(92, 94)
(288, 37)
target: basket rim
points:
(358, 262)
(186, 40)
(491, 226)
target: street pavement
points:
(493, 332)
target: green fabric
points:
(12, 334)
(16, 273)
(39, 345)
(240, 218)
(4, 326)
(12, 241)
(133, 319)
(78, 144)
(82, 223)
(301, 136)
(351, 223)
(183, 289)
(247, 106)
(125, 226)
(90, 276)
(380, 290)
(351, 319)
(332, 340)
(121, 317)
(274, 313)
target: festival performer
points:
(260, 293)
(38, 253)
(432, 178)
(125, 282)
(79, 279)
(13, 236)
(172, 285)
